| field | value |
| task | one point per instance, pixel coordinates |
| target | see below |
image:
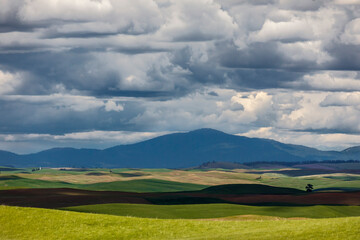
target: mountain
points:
(7, 158)
(177, 150)
(69, 157)
(223, 165)
(352, 150)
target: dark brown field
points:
(63, 197)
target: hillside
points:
(178, 150)
(7, 158)
(27, 223)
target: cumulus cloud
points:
(342, 99)
(168, 65)
(332, 81)
(112, 106)
(186, 24)
(9, 82)
(295, 30)
(329, 141)
(37, 10)
(352, 32)
(168, 36)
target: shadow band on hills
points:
(246, 194)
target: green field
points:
(144, 185)
(191, 221)
(147, 180)
(83, 179)
(197, 211)
(319, 182)
(140, 185)
(30, 223)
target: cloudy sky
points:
(97, 73)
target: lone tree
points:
(309, 187)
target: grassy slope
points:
(200, 177)
(141, 185)
(144, 185)
(318, 182)
(13, 181)
(196, 211)
(30, 223)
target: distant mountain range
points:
(178, 150)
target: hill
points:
(30, 223)
(7, 158)
(219, 210)
(178, 150)
(352, 150)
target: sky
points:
(98, 73)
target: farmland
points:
(29, 223)
(178, 203)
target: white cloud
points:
(296, 29)
(9, 82)
(113, 106)
(298, 26)
(258, 106)
(36, 10)
(184, 23)
(330, 141)
(122, 137)
(312, 115)
(304, 111)
(99, 16)
(338, 81)
(347, 2)
(351, 34)
(311, 51)
(289, 116)
(9, 9)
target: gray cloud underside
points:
(249, 67)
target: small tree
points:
(309, 187)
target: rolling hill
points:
(177, 150)
(30, 223)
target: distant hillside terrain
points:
(178, 150)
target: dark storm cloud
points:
(259, 65)
(73, 70)
(79, 34)
(346, 57)
(55, 116)
(138, 50)
(262, 78)
(49, 69)
(258, 55)
(14, 26)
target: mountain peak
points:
(207, 131)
